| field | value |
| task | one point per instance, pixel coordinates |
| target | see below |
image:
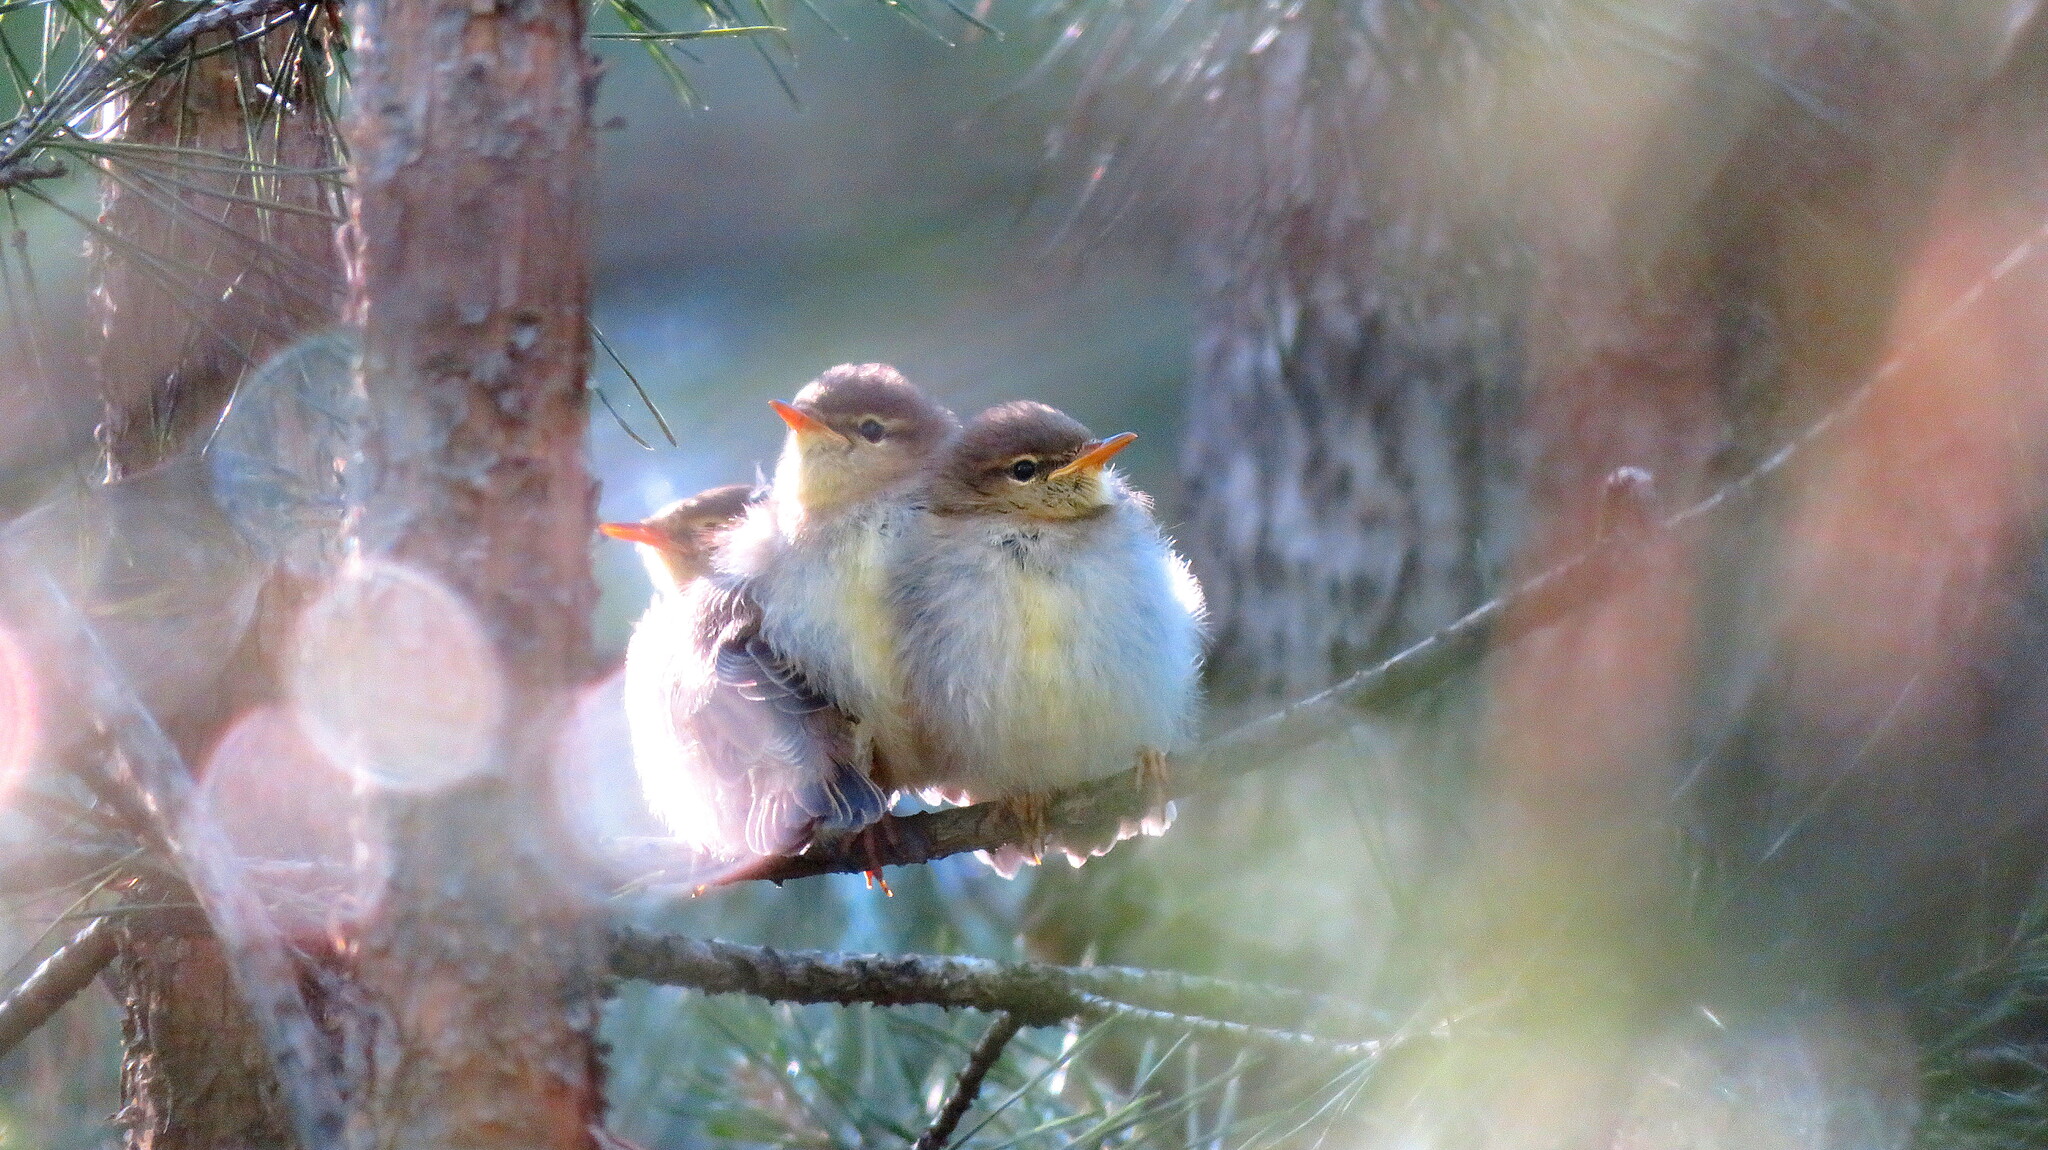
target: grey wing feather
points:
(782, 753)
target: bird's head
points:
(676, 542)
(1025, 458)
(854, 432)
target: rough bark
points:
(1445, 290)
(197, 283)
(471, 154)
(195, 1075)
(1351, 450)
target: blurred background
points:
(1746, 851)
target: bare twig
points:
(990, 1048)
(56, 982)
(1035, 994)
(1099, 1007)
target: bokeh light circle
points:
(291, 814)
(20, 715)
(395, 679)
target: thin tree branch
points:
(1099, 1007)
(1035, 994)
(1098, 807)
(15, 175)
(57, 981)
(990, 1048)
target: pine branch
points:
(1035, 994)
(990, 1048)
(88, 86)
(1099, 1007)
(41, 869)
(148, 767)
(57, 981)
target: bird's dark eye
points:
(1023, 470)
(872, 430)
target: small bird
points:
(762, 695)
(677, 542)
(1048, 632)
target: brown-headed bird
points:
(763, 698)
(677, 542)
(1049, 633)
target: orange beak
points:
(634, 533)
(802, 422)
(1098, 453)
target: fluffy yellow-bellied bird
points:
(1048, 631)
(762, 698)
(677, 542)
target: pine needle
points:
(646, 399)
(699, 34)
(619, 419)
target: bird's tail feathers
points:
(843, 801)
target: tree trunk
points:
(1342, 468)
(198, 281)
(196, 1075)
(471, 154)
(196, 286)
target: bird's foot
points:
(878, 833)
(1153, 789)
(1032, 816)
(1033, 813)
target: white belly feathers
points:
(1047, 656)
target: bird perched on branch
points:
(676, 545)
(1049, 633)
(764, 696)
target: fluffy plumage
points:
(1049, 632)
(736, 751)
(677, 541)
(762, 701)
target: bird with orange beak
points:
(676, 543)
(767, 696)
(1048, 632)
